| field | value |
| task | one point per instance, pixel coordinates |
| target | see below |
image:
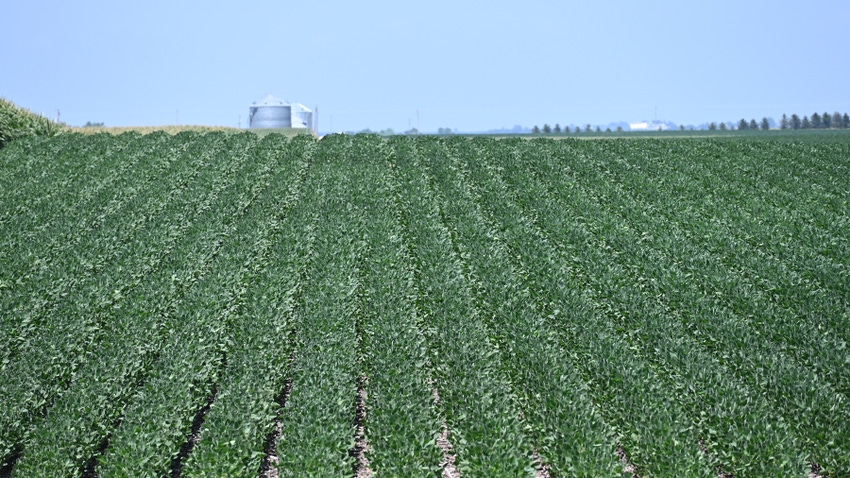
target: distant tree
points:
(387, 132)
(826, 120)
(535, 130)
(557, 128)
(412, 132)
(806, 123)
(712, 126)
(89, 124)
(619, 129)
(742, 125)
(444, 131)
(753, 124)
(836, 120)
(566, 129)
(722, 126)
(783, 123)
(598, 129)
(587, 128)
(795, 122)
(547, 129)
(607, 130)
(816, 120)
(765, 124)
(681, 127)
(845, 121)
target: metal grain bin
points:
(302, 117)
(270, 112)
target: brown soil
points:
(195, 433)
(268, 467)
(448, 461)
(628, 467)
(542, 471)
(443, 442)
(361, 446)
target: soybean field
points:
(223, 304)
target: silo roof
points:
(301, 107)
(270, 100)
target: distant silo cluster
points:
(273, 112)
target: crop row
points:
(815, 341)
(786, 226)
(735, 318)
(631, 396)
(318, 421)
(224, 305)
(116, 335)
(53, 266)
(717, 330)
(56, 347)
(51, 168)
(400, 422)
(51, 254)
(232, 439)
(156, 431)
(567, 430)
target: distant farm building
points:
(648, 126)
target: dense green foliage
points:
(224, 304)
(17, 122)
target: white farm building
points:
(648, 126)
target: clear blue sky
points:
(373, 64)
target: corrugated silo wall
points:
(271, 117)
(302, 119)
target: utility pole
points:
(58, 114)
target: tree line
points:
(566, 129)
(752, 125)
(817, 121)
